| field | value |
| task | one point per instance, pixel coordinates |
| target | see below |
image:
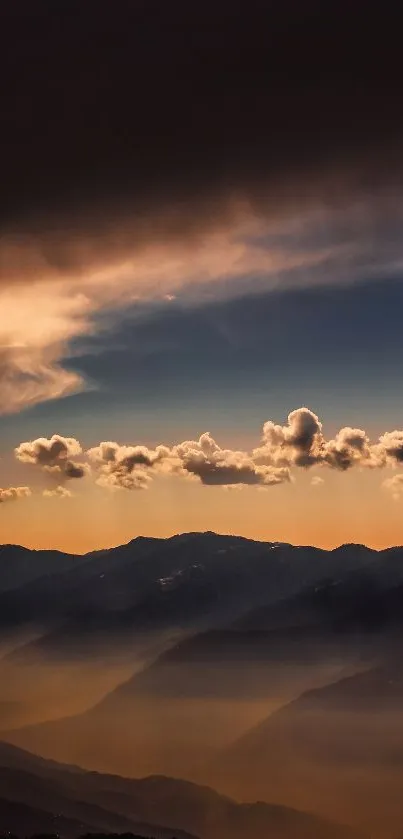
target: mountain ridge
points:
(193, 534)
(188, 809)
(337, 746)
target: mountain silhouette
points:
(129, 594)
(19, 565)
(18, 819)
(188, 809)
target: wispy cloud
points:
(51, 292)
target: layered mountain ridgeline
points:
(75, 801)
(124, 606)
(87, 604)
(179, 712)
(220, 634)
(334, 749)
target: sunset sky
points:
(200, 235)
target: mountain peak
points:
(356, 546)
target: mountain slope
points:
(173, 716)
(19, 565)
(21, 820)
(208, 689)
(54, 797)
(337, 749)
(141, 803)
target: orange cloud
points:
(58, 492)
(14, 494)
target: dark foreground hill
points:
(18, 818)
(88, 835)
(74, 801)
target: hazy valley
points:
(269, 672)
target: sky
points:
(200, 272)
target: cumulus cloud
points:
(392, 444)
(125, 467)
(317, 481)
(48, 452)
(53, 455)
(130, 467)
(58, 492)
(298, 444)
(219, 467)
(301, 442)
(14, 494)
(352, 446)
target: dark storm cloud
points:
(153, 149)
(115, 109)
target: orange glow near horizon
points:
(344, 508)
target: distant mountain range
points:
(135, 593)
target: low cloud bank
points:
(284, 449)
